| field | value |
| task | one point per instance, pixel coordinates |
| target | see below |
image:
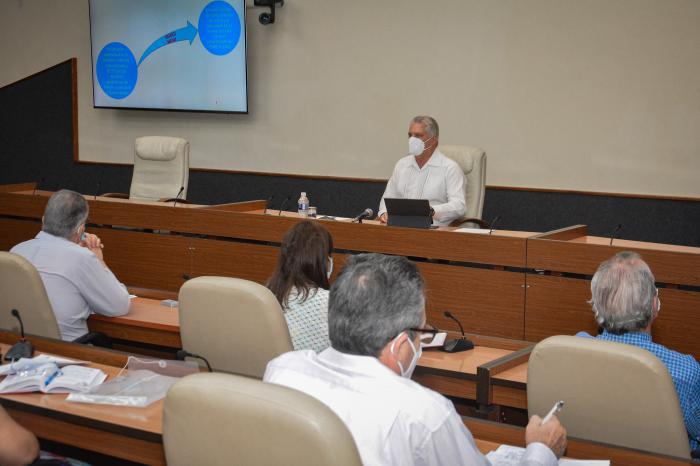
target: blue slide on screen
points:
(169, 54)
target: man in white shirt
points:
(70, 262)
(427, 174)
(375, 315)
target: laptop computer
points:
(410, 213)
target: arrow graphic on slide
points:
(189, 32)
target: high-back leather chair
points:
(21, 288)
(614, 393)
(238, 325)
(223, 419)
(161, 168)
(472, 161)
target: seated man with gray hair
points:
(426, 173)
(376, 318)
(625, 304)
(70, 262)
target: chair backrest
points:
(238, 325)
(21, 288)
(472, 161)
(223, 419)
(161, 168)
(613, 392)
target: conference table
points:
(136, 434)
(507, 284)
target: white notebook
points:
(507, 455)
(48, 378)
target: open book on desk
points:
(48, 378)
(507, 455)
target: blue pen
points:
(51, 377)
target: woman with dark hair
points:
(300, 283)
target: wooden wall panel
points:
(14, 231)
(558, 306)
(147, 260)
(230, 259)
(487, 302)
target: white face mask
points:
(408, 372)
(330, 268)
(416, 146)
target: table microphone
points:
(177, 198)
(493, 224)
(284, 204)
(458, 344)
(36, 185)
(97, 190)
(269, 200)
(614, 233)
(182, 354)
(367, 213)
(24, 347)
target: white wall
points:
(597, 95)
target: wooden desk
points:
(561, 264)
(489, 435)
(480, 278)
(133, 434)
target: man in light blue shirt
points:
(71, 265)
(625, 303)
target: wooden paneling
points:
(90, 438)
(668, 265)
(231, 259)
(14, 231)
(487, 302)
(558, 306)
(147, 260)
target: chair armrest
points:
(478, 221)
(94, 339)
(174, 199)
(116, 195)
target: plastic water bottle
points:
(303, 205)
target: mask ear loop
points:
(160, 363)
(398, 362)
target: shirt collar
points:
(435, 160)
(644, 336)
(42, 235)
(361, 365)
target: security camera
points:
(265, 18)
(268, 18)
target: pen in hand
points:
(555, 409)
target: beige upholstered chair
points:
(21, 288)
(472, 160)
(236, 324)
(614, 393)
(161, 168)
(223, 419)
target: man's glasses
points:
(425, 333)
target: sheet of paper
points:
(437, 341)
(507, 455)
(477, 231)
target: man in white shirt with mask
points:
(376, 314)
(425, 173)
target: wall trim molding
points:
(383, 181)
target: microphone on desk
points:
(269, 200)
(23, 348)
(284, 204)
(367, 213)
(182, 354)
(36, 185)
(493, 224)
(177, 198)
(614, 233)
(458, 344)
(97, 190)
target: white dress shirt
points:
(393, 420)
(440, 181)
(76, 281)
